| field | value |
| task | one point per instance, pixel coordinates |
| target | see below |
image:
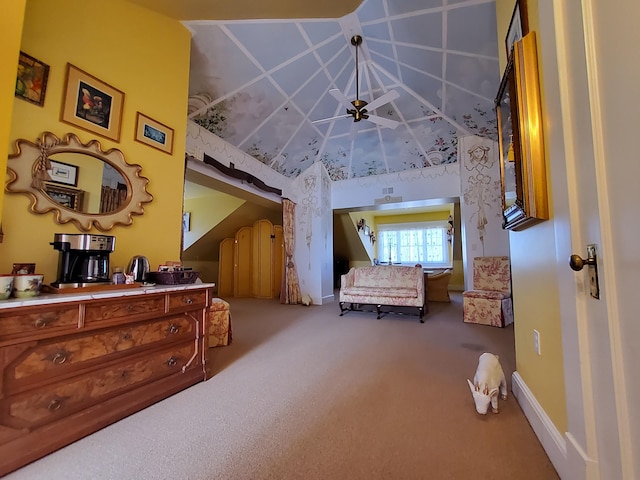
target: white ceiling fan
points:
(359, 109)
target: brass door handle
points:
(577, 263)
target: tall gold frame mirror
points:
(520, 136)
(78, 182)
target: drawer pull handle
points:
(54, 405)
(127, 336)
(40, 323)
(174, 328)
(129, 308)
(188, 300)
(59, 358)
(172, 362)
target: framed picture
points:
(519, 25)
(91, 104)
(63, 173)
(186, 221)
(154, 133)
(67, 197)
(31, 81)
(23, 269)
(521, 144)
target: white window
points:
(425, 243)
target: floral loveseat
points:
(394, 286)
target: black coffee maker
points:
(84, 259)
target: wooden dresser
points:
(74, 364)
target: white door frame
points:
(599, 440)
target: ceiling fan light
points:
(359, 104)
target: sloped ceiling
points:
(259, 84)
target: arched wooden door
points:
(225, 268)
(262, 259)
(243, 262)
(278, 260)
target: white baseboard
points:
(551, 439)
(328, 299)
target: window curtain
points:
(290, 291)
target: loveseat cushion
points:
(382, 291)
(383, 276)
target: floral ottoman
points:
(219, 318)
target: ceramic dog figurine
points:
(487, 383)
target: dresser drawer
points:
(187, 300)
(130, 308)
(38, 322)
(47, 359)
(46, 404)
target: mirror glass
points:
(81, 183)
(101, 187)
(507, 137)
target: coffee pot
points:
(138, 267)
(83, 259)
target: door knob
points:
(577, 263)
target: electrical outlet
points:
(536, 341)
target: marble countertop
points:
(49, 298)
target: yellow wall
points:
(139, 52)
(369, 247)
(535, 291)
(206, 212)
(10, 33)
(413, 217)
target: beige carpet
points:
(303, 393)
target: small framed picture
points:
(186, 221)
(154, 133)
(519, 25)
(67, 197)
(63, 173)
(91, 104)
(31, 81)
(23, 269)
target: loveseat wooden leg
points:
(421, 315)
(378, 309)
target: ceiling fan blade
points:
(325, 120)
(386, 98)
(338, 95)
(384, 122)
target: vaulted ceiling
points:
(261, 84)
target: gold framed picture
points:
(67, 197)
(91, 104)
(153, 133)
(31, 81)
